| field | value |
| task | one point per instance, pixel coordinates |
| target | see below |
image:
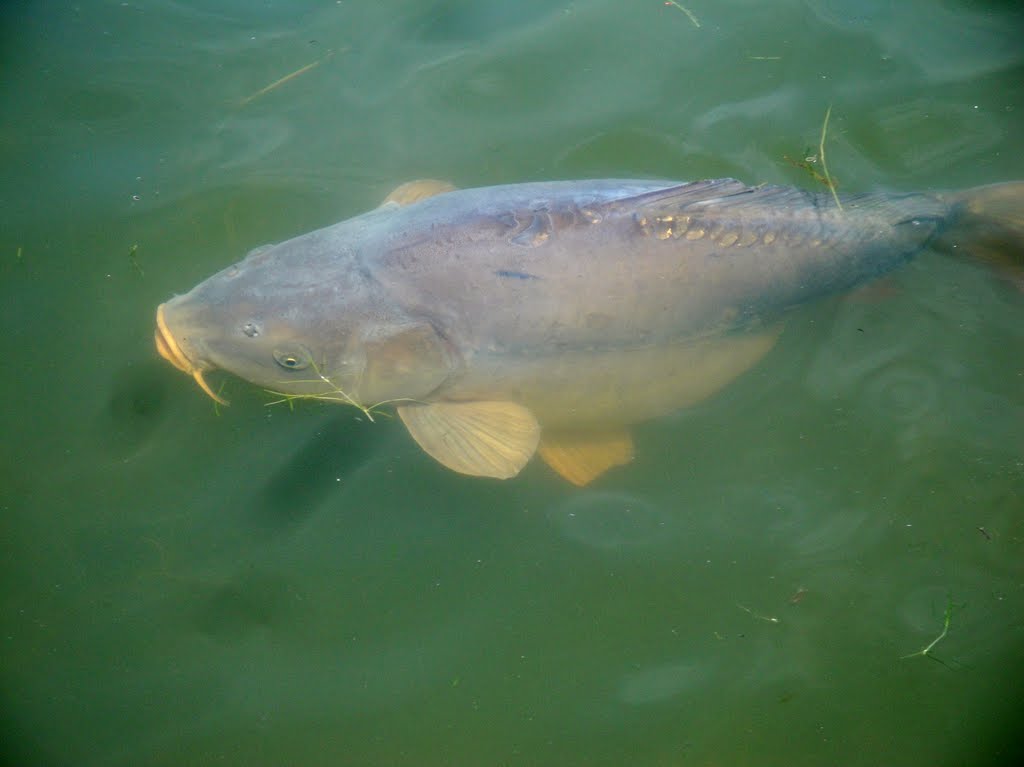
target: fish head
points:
(297, 323)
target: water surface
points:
(183, 584)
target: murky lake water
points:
(183, 584)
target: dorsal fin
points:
(714, 195)
(681, 194)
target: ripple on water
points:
(886, 381)
(808, 519)
(610, 521)
(769, 509)
(902, 392)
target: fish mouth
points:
(168, 348)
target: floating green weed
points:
(133, 259)
(334, 393)
(216, 404)
(810, 160)
(926, 651)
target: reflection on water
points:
(614, 521)
(944, 41)
(252, 585)
(659, 683)
(922, 133)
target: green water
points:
(255, 586)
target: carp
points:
(551, 317)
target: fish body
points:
(548, 315)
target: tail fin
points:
(987, 223)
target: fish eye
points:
(251, 329)
(292, 359)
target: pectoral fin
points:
(414, 191)
(483, 439)
(582, 457)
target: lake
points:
(823, 564)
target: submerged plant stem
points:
(824, 164)
(690, 15)
(281, 81)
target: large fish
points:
(550, 317)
